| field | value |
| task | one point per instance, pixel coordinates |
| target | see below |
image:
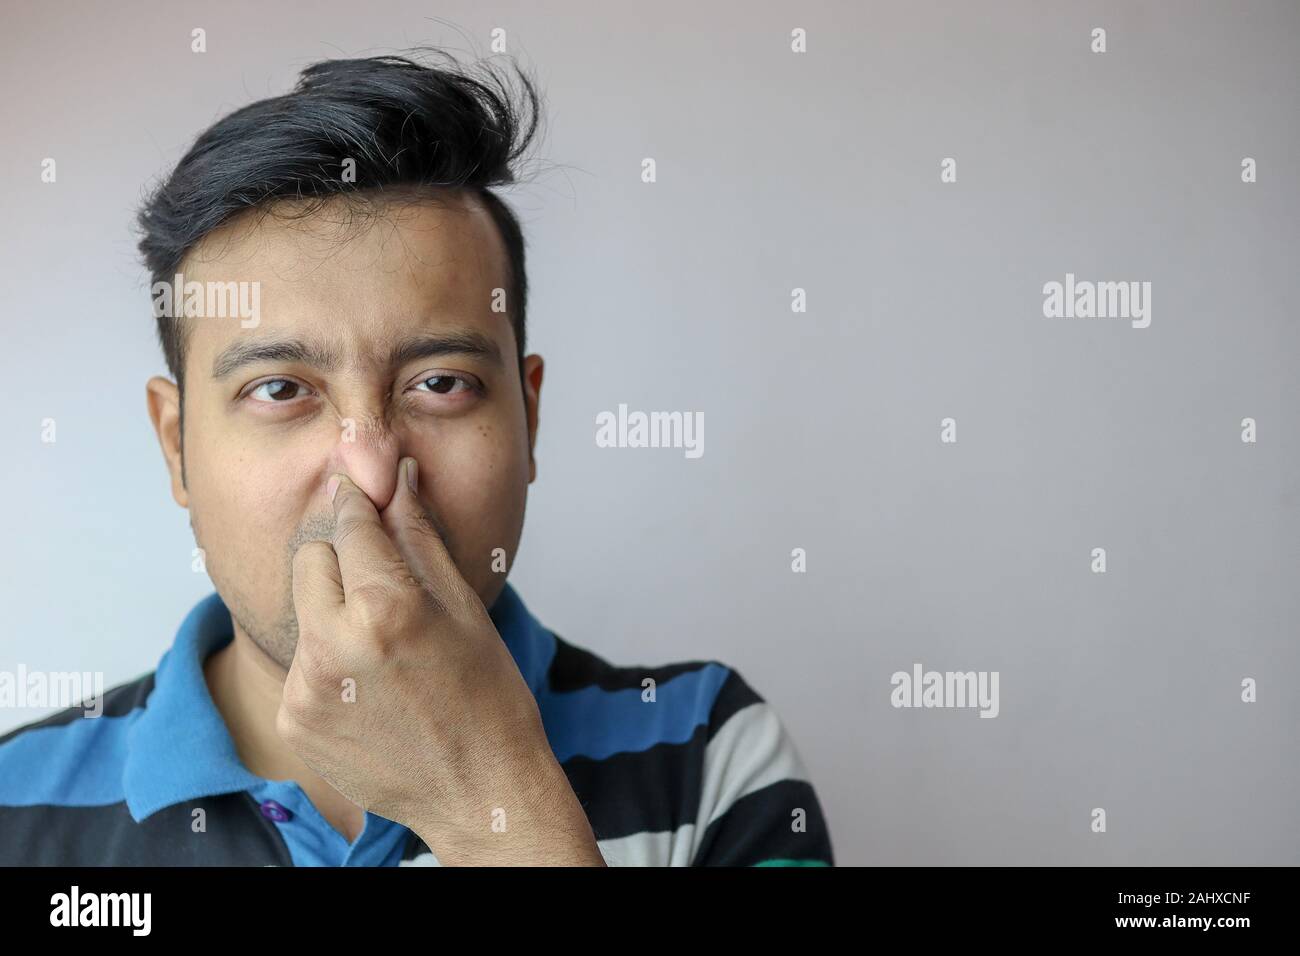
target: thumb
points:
(417, 536)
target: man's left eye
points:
(444, 384)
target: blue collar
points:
(179, 748)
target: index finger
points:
(366, 552)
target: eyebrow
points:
(329, 359)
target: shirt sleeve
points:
(757, 803)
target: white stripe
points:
(749, 752)
(422, 859)
(665, 848)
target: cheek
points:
(478, 491)
(245, 513)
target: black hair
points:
(411, 130)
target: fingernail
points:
(332, 486)
(412, 475)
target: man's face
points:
(386, 345)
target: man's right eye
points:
(275, 390)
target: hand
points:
(403, 696)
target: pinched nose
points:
(368, 454)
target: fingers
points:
(317, 583)
(366, 555)
(417, 538)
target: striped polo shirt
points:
(692, 770)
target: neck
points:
(246, 686)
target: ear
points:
(164, 400)
(532, 381)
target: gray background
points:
(779, 170)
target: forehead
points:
(357, 277)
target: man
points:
(341, 302)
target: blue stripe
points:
(598, 723)
(78, 764)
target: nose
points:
(367, 452)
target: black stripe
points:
(734, 695)
(118, 702)
(574, 668)
(646, 790)
(236, 835)
(414, 847)
(759, 825)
